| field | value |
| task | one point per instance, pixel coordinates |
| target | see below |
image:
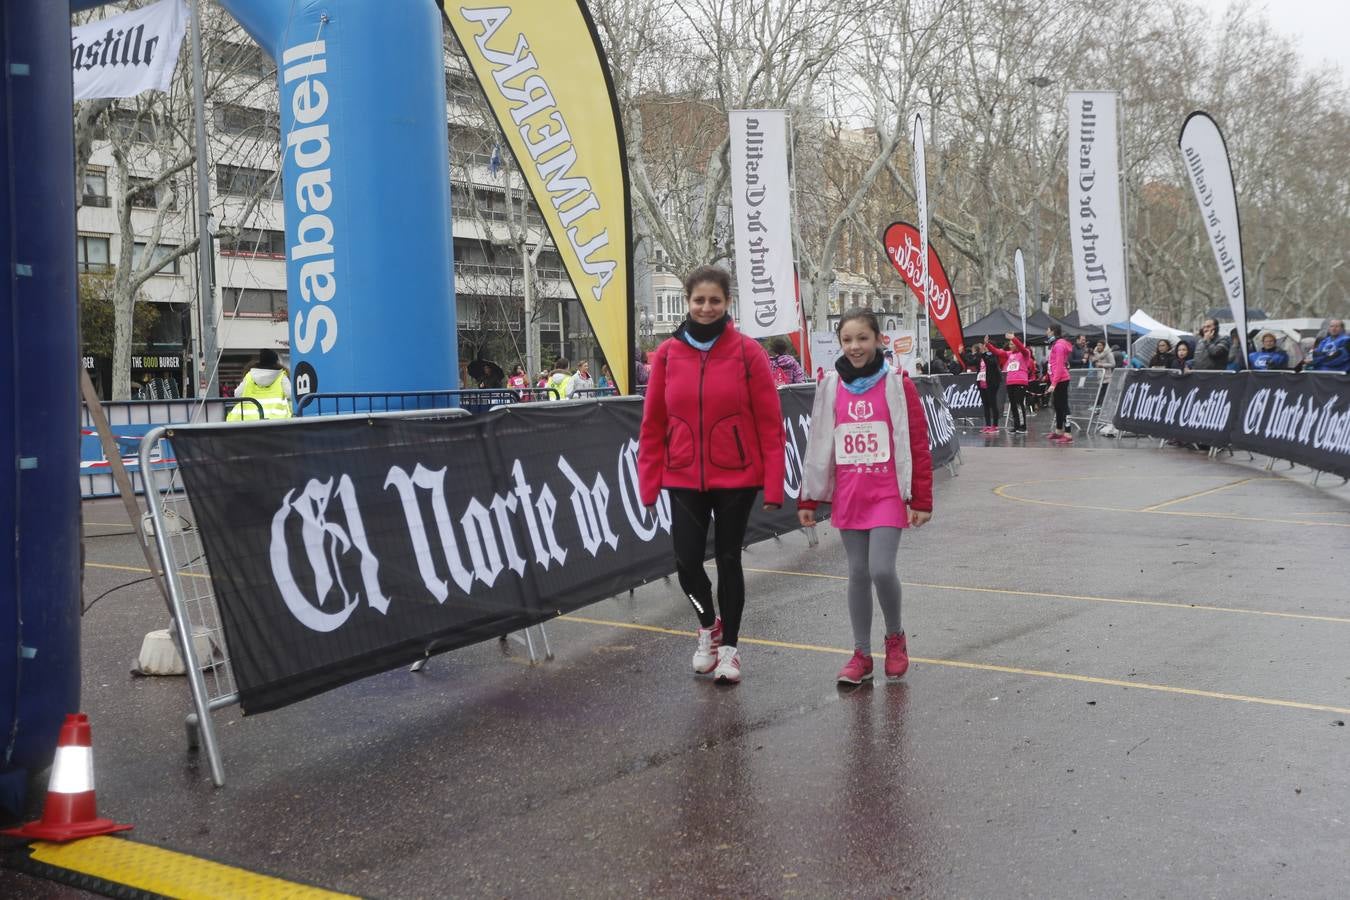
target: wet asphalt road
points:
(1061, 605)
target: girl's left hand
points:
(769, 507)
(917, 517)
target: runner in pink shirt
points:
(868, 456)
(1060, 350)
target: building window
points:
(254, 303)
(162, 252)
(231, 119)
(142, 197)
(242, 181)
(91, 253)
(242, 59)
(95, 186)
(255, 242)
(128, 125)
(461, 88)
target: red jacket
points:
(711, 420)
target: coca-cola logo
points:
(904, 248)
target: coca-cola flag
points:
(930, 285)
(1205, 156)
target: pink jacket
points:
(1021, 372)
(1059, 361)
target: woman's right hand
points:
(807, 517)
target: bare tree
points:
(153, 149)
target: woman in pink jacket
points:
(1016, 364)
(1060, 351)
(712, 436)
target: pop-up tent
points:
(1119, 331)
(1153, 327)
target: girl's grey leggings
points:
(871, 561)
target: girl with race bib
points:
(868, 457)
(1016, 365)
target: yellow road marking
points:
(1002, 489)
(1199, 494)
(1081, 597)
(164, 872)
(989, 667)
(142, 569)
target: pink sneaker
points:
(709, 639)
(857, 670)
(1066, 439)
(897, 655)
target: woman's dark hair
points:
(561, 363)
(778, 346)
(855, 314)
(1056, 329)
(518, 370)
(717, 276)
(268, 359)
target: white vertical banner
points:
(1020, 267)
(1205, 156)
(825, 350)
(121, 56)
(1095, 233)
(920, 170)
(761, 204)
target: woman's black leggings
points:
(729, 510)
(989, 397)
(1017, 395)
(1061, 405)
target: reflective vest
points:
(272, 399)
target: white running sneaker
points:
(728, 666)
(709, 639)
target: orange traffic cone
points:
(71, 811)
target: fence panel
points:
(196, 616)
(130, 421)
(473, 400)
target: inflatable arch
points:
(369, 276)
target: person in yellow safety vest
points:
(557, 379)
(268, 383)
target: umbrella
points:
(486, 373)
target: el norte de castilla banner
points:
(344, 546)
(761, 210)
(1095, 233)
(542, 68)
(1302, 417)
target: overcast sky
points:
(1320, 27)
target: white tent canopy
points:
(1153, 326)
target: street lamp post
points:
(646, 327)
(1037, 82)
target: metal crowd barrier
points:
(192, 604)
(472, 400)
(130, 421)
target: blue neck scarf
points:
(867, 382)
(705, 346)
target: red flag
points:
(902, 249)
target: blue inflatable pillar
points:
(39, 395)
(366, 183)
